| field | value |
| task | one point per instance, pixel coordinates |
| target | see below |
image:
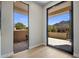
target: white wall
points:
(76, 29)
(35, 24)
(6, 29)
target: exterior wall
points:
(57, 35)
(20, 35)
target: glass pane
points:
(21, 30)
(59, 27)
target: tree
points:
(49, 28)
(20, 26)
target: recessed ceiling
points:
(42, 2)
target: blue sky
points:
(51, 20)
(18, 17)
(58, 18)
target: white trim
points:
(36, 45)
(0, 42)
(7, 55)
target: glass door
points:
(21, 26)
(59, 26)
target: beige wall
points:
(58, 35)
(20, 35)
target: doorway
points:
(21, 26)
(60, 26)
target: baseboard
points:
(35, 46)
(76, 55)
(7, 55)
(44, 44)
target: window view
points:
(20, 21)
(21, 30)
(59, 28)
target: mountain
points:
(62, 23)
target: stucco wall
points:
(20, 35)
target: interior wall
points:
(35, 24)
(76, 28)
(6, 29)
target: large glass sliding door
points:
(21, 26)
(60, 26)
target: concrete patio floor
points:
(20, 46)
(60, 43)
(55, 41)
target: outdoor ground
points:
(20, 46)
(59, 43)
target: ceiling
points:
(20, 7)
(42, 3)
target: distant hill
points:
(61, 25)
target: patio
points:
(60, 43)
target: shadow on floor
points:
(64, 47)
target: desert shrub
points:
(20, 26)
(54, 30)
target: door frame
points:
(28, 23)
(72, 29)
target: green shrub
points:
(20, 26)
